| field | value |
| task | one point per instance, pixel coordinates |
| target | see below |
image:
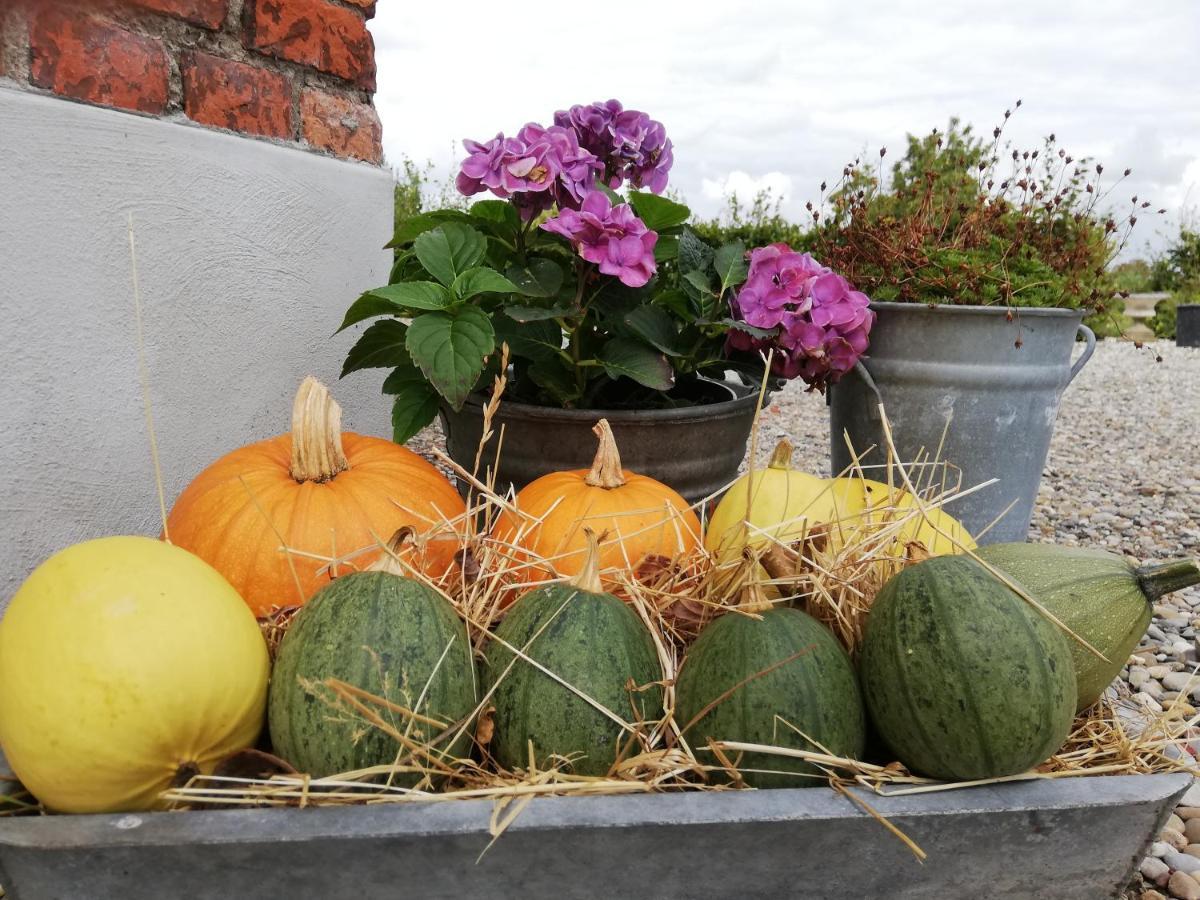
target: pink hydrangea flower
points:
(823, 323)
(612, 237)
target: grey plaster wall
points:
(248, 254)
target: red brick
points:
(341, 125)
(237, 96)
(208, 13)
(314, 33)
(84, 58)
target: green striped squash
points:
(962, 677)
(391, 636)
(598, 646)
(815, 691)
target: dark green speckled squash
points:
(595, 643)
(962, 677)
(1098, 595)
(394, 637)
(816, 692)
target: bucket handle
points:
(873, 412)
(1090, 337)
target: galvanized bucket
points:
(968, 380)
(1187, 325)
(694, 449)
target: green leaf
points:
(499, 214)
(450, 347)
(368, 306)
(667, 248)
(657, 212)
(417, 225)
(539, 278)
(699, 281)
(557, 379)
(752, 330)
(536, 313)
(416, 401)
(534, 340)
(654, 325)
(412, 295)
(694, 254)
(637, 361)
(448, 250)
(675, 301)
(381, 346)
(481, 280)
(730, 263)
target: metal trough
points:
(1061, 839)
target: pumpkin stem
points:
(781, 456)
(389, 560)
(317, 453)
(754, 597)
(588, 578)
(606, 467)
(1157, 579)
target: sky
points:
(769, 93)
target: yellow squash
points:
(777, 502)
(126, 664)
(863, 507)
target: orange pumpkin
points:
(636, 516)
(280, 518)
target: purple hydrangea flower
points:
(632, 146)
(536, 169)
(612, 237)
(577, 168)
(823, 323)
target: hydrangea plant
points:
(604, 299)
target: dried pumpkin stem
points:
(754, 597)
(588, 578)
(781, 456)
(606, 467)
(317, 453)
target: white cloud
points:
(746, 186)
(796, 90)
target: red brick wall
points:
(301, 71)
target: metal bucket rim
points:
(704, 411)
(1017, 311)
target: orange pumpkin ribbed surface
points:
(636, 516)
(321, 494)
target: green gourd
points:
(1100, 596)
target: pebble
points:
(1151, 895)
(1191, 828)
(1183, 886)
(1159, 849)
(1174, 838)
(1155, 870)
(1174, 822)
(1181, 861)
(1187, 813)
(1180, 681)
(1191, 798)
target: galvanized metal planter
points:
(694, 449)
(1064, 839)
(1187, 325)
(997, 383)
